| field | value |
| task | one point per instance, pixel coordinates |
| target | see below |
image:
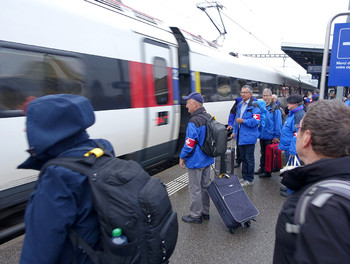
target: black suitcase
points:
(232, 202)
(226, 162)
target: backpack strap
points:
(317, 195)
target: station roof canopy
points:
(306, 55)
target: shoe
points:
(206, 216)
(264, 175)
(283, 188)
(241, 180)
(259, 171)
(190, 219)
(284, 194)
(247, 183)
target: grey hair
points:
(267, 90)
(249, 87)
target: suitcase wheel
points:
(232, 230)
(247, 224)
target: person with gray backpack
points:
(313, 224)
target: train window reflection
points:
(224, 88)
(161, 81)
(208, 87)
(26, 73)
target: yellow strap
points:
(96, 151)
(224, 175)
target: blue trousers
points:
(248, 161)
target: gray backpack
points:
(318, 194)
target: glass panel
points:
(224, 88)
(24, 74)
(161, 81)
(208, 87)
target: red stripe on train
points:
(142, 87)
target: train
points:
(134, 68)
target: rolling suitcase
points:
(232, 202)
(225, 163)
(273, 160)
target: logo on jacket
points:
(190, 142)
(256, 116)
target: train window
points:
(110, 83)
(241, 83)
(25, 73)
(234, 88)
(161, 81)
(224, 88)
(208, 87)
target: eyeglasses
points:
(245, 92)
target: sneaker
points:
(259, 171)
(190, 219)
(247, 183)
(284, 194)
(283, 188)
(205, 216)
(264, 175)
(241, 180)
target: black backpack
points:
(215, 142)
(125, 196)
(317, 195)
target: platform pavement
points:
(210, 242)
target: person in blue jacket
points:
(231, 120)
(270, 131)
(290, 127)
(62, 199)
(197, 162)
(245, 131)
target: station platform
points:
(210, 242)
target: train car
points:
(133, 68)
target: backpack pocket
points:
(128, 253)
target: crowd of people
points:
(304, 135)
(63, 199)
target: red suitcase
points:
(273, 158)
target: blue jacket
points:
(347, 102)
(191, 152)
(248, 130)
(232, 115)
(273, 123)
(62, 198)
(290, 129)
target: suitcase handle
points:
(224, 175)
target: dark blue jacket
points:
(248, 130)
(273, 123)
(290, 129)
(191, 152)
(62, 199)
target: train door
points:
(158, 96)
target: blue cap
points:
(194, 96)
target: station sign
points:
(339, 68)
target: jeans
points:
(248, 161)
